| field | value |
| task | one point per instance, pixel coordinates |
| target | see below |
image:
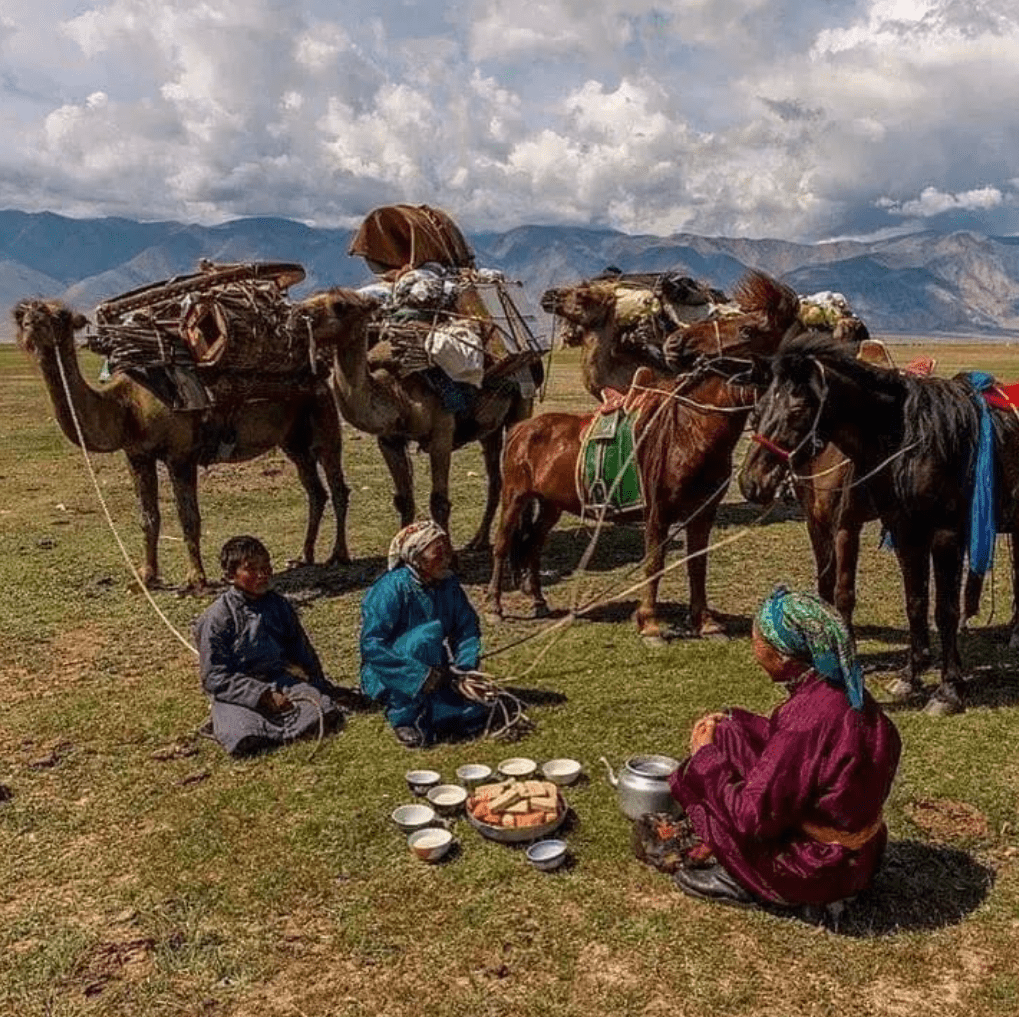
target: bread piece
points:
(508, 820)
(490, 791)
(511, 795)
(531, 819)
(545, 803)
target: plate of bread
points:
(516, 810)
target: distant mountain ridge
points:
(937, 284)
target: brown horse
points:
(685, 440)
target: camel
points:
(398, 410)
(123, 415)
(608, 361)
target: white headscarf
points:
(408, 544)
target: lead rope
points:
(109, 519)
(483, 688)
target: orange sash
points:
(853, 841)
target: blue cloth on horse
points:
(407, 628)
(983, 527)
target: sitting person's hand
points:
(704, 731)
(437, 677)
(273, 702)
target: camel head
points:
(42, 324)
(588, 305)
(337, 315)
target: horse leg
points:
(184, 478)
(146, 486)
(847, 557)
(1013, 641)
(703, 620)
(914, 562)
(548, 516)
(947, 554)
(307, 473)
(401, 469)
(512, 507)
(491, 449)
(646, 616)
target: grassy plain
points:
(144, 872)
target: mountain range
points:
(938, 285)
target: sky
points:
(750, 118)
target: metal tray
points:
(518, 835)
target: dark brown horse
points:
(913, 441)
(686, 437)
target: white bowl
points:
(473, 774)
(561, 771)
(419, 781)
(431, 844)
(447, 798)
(413, 817)
(547, 854)
(517, 766)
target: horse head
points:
(785, 422)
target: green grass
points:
(203, 885)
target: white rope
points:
(106, 511)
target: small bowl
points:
(547, 855)
(473, 774)
(413, 817)
(430, 845)
(561, 771)
(447, 798)
(419, 781)
(518, 766)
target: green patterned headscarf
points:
(803, 626)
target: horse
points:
(912, 440)
(685, 442)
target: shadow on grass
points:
(919, 888)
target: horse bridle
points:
(811, 439)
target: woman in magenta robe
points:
(790, 805)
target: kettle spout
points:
(613, 779)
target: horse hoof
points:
(1013, 642)
(901, 690)
(940, 707)
(493, 619)
(654, 642)
(540, 610)
(713, 630)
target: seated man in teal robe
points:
(416, 625)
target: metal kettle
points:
(643, 785)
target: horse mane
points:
(940, 416)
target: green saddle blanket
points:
(608, 475)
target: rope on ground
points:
(302, 697)
(483, 688)
(109, 519)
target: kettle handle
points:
(613, 779)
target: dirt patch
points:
(945, 819)
(126, 958)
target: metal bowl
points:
(413, 817)
(561, 771)
(473, 774)
(547, 855)
(518, 766)
(447, 798)
(430, 844)
(419, 781)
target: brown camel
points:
(398, 410)
(608, 360)
(123, 415)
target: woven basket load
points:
(221, 320)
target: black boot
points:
(410, 737)
(714, 883)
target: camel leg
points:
(146, 486)
(401, 469)
(491, 448)
(703, 620)
(307, 473)
(328, 451)
(440, 458)
(947, 553)
(184, 478)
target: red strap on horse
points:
(775, 450)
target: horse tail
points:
(758, 293)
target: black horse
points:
(913, 441)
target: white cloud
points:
(933, 202)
